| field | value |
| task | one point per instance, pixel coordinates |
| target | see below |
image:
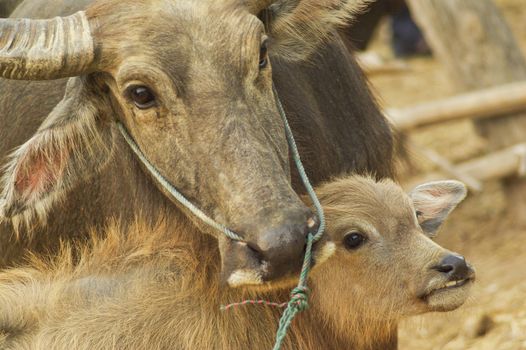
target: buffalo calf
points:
(159, 288)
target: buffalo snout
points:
(272, 250)
(283, 245)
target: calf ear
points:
(434, 201)
(72, 144)
(298, 27)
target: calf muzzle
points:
(455, 267)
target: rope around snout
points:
(301, 171)
(300, 295)
(172, 190)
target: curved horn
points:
(45, 49)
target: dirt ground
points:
(487, 228)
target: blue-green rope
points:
(172, 190)
(299, 300)
(299, 165)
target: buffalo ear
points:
(298, 27)
(434, 201)
(71, 145)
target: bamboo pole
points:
(446, 166)
(500, 100)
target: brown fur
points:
(158, 288)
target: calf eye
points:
(142, 96)
(354, 240)
(263, 55)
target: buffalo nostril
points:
(283, 247)
(455, 266)
(255, 250)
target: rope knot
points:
(300, 298)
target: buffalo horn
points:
(36, 49)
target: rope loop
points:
(174, 192)
(300, 297)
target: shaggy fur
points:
(158, 288)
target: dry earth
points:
(488, 228)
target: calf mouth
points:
(448, 295)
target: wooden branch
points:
(497, 165)
(485, 103)
(447, 167)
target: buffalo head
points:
(192, 83)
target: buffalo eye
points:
(263, 55)
(142, 97)
(354, 240)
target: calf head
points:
(385, 265)
(191, 82)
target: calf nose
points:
(455, 267)
(282, 247)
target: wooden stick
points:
(485, 103)
(496, 165)
(447, 167)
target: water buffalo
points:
(192, 83)
(150, 289)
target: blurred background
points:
(450, 74)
